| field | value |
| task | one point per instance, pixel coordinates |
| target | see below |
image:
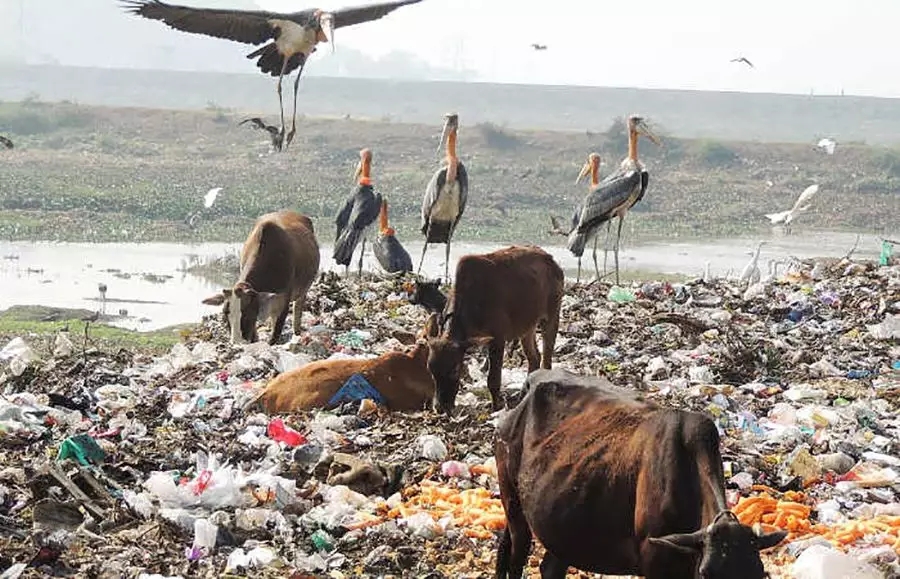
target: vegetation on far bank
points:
(39, 325)
(83, 173)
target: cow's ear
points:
(216, 300)
(685, 542)
(769, 540)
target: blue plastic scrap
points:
(354, 389)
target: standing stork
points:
(390, 254)
(357, 216)
(616, 194)
(293, 35)
(579, 242)
(445, 196)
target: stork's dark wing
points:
(462, 177)
(343, 217)
(257, 122)
(359, 14)
(609, 195)
(366, 206)
(251, 27)
(431, 194)
(6, 142)
(645, 180)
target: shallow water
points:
(67, 274)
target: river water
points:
(147, 280)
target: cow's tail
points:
(504, 551)
(346, 244)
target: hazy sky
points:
(796, 45)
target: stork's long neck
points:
(595, 175)
(364, 170)
(452, 159)
(383, 217)
(633, 145)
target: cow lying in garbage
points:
(613, 484)
(401, 378)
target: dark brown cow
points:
(613, 484)
(279, 262)
(498, 297)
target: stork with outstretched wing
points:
(291, 37)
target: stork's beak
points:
(645, 130)
(326, 34)
(585, 171)
(358, 172)
(444, 134)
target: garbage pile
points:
(118, 464)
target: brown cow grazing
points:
(613, 484)
(279, 262)
(402, 378)
(498, 297)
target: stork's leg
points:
(606, 245)
(447, 261)
(362, 252)
(578, 275)
(290, 136)
(594, 254)
(424, 249)
(618, 236)
(280, 100)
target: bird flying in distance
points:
(744, 60)
(786, 217)
(827, 145)
(210, 197)
(274, 133)
(6, 142)
(290, 37)
(537, 46)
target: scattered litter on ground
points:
(121, 464)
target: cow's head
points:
(445, 359)
(244, 307)
(727, 549)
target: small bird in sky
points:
(744, 60)
(537, 46)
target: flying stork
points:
(6, 142)
(356, 218)
(293, 36)
(387, 248)
(744, 60)
(445, 196)
(616, 194)
(537, 46)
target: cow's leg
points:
(297, 317)
(548, 334)
(278, 326)
(553, 568)
(529, 346)
(495, 361)
(515, 544)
